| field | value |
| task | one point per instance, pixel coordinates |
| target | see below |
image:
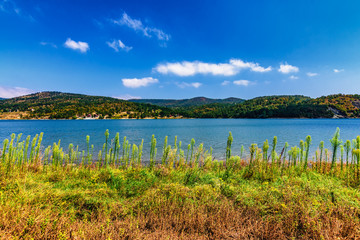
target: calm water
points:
(212, 132)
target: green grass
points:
(181, 196)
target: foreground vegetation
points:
(56, 105)
(54, 193)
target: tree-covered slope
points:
(57, 105)
(263, 107)
(342, 104)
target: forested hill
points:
(342, 104)
(197, 101)
(263, 107)
(294, 106)
(57, 105)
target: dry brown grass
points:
(213, 221)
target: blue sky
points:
(180, 49)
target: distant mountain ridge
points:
(197, 101)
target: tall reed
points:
(335, 142)
(228, 147)
(29, 153)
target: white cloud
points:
(225, 83)
(10, 7)
(48, 44)
(292, 77)
(287, 68)
(193, 84)
(310, 74)
(3, 5)
(242, 82)
(255, 67)
(127, 97)
(98, 24)
(138, 82)
(186, 68)
(10, 92)
(267, 82)
(338, 70)
(79, 46)
(117, 45)
(138, 26)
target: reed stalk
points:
(228, 147)
(321, 146)
(307, 148)
(265, 149)
(335, 142)
(153, 151)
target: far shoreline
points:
(176, 119)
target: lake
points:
(212, 132)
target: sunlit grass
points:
(67, 193)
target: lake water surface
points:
(212, 132)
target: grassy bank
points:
(181, 194)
